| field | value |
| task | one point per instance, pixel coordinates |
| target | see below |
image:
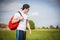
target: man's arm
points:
(28, 26)
(17, 19)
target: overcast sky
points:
(42, 12)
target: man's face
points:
(27, 10)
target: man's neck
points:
(23, 11)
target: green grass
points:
(37, 34)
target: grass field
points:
(37, 34)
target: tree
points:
(2, 25)
(32, 24)
(51, 26)
(43, 27)
(57, 27)
(47, 27)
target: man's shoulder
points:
(16, 13)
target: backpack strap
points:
(19, 13)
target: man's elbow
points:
(13, 22)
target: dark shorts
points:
(20, 35)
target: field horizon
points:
(37, 34)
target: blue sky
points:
(42, 12)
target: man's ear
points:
(27, 20)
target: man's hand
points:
(17, 19)
(21, 18)
(28, 26)
(30, 32)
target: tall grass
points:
(37, 34)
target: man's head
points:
(25, 8)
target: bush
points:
(32, 24)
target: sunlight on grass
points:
(37, 34)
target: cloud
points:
(6, 1)
(43, 14)
(11, 6)
(34, 14)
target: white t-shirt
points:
(22, 23)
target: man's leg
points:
(20, 35)
(24, 35)
(17, 34)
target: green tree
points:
(51, 26)
(32, 24)
(43, 27)
(57, 27)
(46, 27)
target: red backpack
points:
(13, 26)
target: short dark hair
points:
(25, 6)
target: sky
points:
(42, 12)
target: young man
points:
(21, 29)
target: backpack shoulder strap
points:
(19, 13)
